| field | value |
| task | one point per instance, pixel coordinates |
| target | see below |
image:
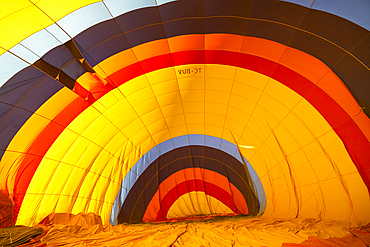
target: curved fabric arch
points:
(138, 133)
(293, 90)
(185, 162)
(168, 195)
(146, 160)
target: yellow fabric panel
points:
(217, 96)
(88, 81)
(317, 72)
(253, 80)
(24, 21)
(127, 122)
(317, 127)
(199, 73)
(59, 8)
(316, 159)
(9, 7)
(165, 87)
(237, 100)
(169, 104)
(178, 130)
(147, 106)
(227, 72)
(197, 203)
(188, 95)
(282, 94)
(162, 75)
(19, 18)
(141, 83)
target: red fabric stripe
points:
(359, 153)
(294, 81)
(189, 57)
(257, 64)
(40, 146)
(125, 74)
(156, 63)
(222, 57)
(353, 138)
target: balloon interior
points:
(246, 121)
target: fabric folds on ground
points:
(87, 230)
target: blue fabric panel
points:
(118, 7)
(41, 42)
(58, 33)
(10, 65)
(181, 141)
(83, 18)
(24, 53)
(197, 140)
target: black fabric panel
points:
(230, 25)
(316, 46)
(240, 8)
(102, 51)
(216, 160)
(20, 97)
(334, 28)
(95, 48)
(56, 59)
(278, 11)
(139, 18)
(349, 70)
(58, 56)
(269, 30)
(55, 73)
(17, 86)
(181, 9)
(146, 34)
(187, 26)
(78, 56)
(362, 50)
(70, 69)
(97, 34)
(14, 120)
